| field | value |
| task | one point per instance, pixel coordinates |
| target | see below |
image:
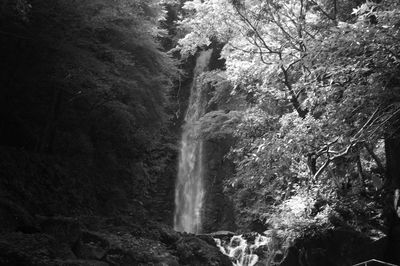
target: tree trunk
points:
(392, 183)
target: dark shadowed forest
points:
(202, 132)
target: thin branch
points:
(320, 151)
(321, 169)
(241, 49)
(330, 159)
(295, 62)
(382, 124)
(322, 10)
(294, 100)
(289, 37)
(248, 22)
(367, 123)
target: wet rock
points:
(128, 257)
(278, 257)
(32, 249)
(90, 251)
(15, 218)
(163, 233)
(208, 239)
(291, 258)
(334, 247)
(261, 251)
(222, 234)
(127, 249)
(194, 251)
(92, 246)
(63, 229)
(62, 242)
(258, 226)
(225, 236)
(80, 263)
(250, 237)
(218, 208)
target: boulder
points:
(32, 249)
(127, 249)
(92, 246)
(15, 218)
(333, 247)
(222, 234)
(63, 229)
(195, 252)
(80, 263)
(208, 239)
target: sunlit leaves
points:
(338, 67)
(141, 17)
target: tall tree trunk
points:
(392, 184)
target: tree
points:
(87, 80)
(330, 75)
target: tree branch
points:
(293, 99)
(330, 159)
(286, 81)
(248, 22)
(323, 11)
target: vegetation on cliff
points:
(316, 109)
(84, 92)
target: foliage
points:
(87, 81)
(322, 90)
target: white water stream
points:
(240, 251)
(189, 189)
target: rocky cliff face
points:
(218, 209)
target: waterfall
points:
(189, 189)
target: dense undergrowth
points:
(84, 90)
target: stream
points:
(242, 250)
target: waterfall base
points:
(244, 250)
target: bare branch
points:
(326, 147)
(321, 169)
(330, 159)
(382, 124)
(366, 123)
(248, 22)
(295, 62)
(320, 9)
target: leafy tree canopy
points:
(323, 79)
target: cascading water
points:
(240, 251)
(189, 189)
